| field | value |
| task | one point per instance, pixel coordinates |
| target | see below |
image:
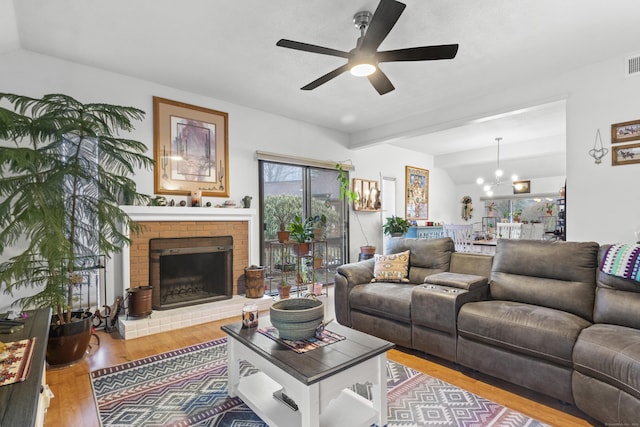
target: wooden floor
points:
(73, 404)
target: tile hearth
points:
(183, 317)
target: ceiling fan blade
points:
(311, 48)
(424, 53)
(322, 80)
(384, 18)
(381, 82)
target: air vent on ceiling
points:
(632, 66)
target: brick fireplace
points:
(181, 222)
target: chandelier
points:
(491, 186)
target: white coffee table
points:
(317, 380)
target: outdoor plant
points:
(279, 210)
(63, 170)
(395, 225)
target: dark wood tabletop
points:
(316, 364)
(19, 401)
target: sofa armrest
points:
(457, 280)
(348, 276)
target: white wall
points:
(250, 130)
(603, 201)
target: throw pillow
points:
(391, 268)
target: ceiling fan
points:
(363, 60)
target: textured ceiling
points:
(226, 50)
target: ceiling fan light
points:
(363, 69)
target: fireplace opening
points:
(190, 270)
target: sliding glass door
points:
(287, 190)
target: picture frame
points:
(191, 149)
(416, 193)
(625, 154)
(521, 187)
(624, 132)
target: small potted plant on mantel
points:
(61, 180)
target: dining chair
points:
(462, 235)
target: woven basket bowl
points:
(297, 318)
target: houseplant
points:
(395, 226)
(302, 232)
(60, 183)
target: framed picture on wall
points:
(190, 149)
(625, 154)
(626, 131)
(521, 187)
(417, 193)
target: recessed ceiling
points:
(227, 50)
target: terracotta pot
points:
(68, 343)
(317, 233)
(368, 250)
(301, 248)
(283, 236)
(283, 291)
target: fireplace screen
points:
(192, 270)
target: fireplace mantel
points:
(180, 213)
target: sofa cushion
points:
(388, 300)
(559, 275)
(391, 268)
(536, 331)
(611, 354)
(428, 256)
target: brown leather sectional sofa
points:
(538, 314)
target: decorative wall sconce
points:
(598, 153)
(368, 195)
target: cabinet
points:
(427, 232)
(25, 403)
(301, 265)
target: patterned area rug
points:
(188, 387)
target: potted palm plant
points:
(62, 175)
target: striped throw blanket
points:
(622, 260)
